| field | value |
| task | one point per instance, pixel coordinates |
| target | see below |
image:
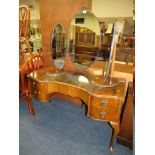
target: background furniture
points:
(105, 45)
(85, 38)
(125, 50)
(125, 55)
(125, 135)
(24, 21)
(85, 54)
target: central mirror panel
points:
(84, 38)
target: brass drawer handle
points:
(33, 83)
(102, 114)
(104, 103)
(35, 92)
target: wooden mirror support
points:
(109, 80)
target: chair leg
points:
(30, 105)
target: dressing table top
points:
(85, 81)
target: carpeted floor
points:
(60, 128)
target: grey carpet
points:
(60, 128)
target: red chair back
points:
(33, 63)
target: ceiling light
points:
(84, 11)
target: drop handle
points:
(102, 114)
(104, 103)
(33, 83)
(35, 92)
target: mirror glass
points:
(84, 38)
(125, 48)
(58, 46)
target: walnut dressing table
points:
(103, 103)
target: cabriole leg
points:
(30, 105)
(116, 128)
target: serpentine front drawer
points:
(107, 109)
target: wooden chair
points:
(33, 63)
(24, 47)
(24, 21)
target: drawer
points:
(58, 88)
(68, 90)
(78, 93)
(105, 102)
(35, 90)
(38, 90)
(105, 108)
(63, 89)
(104, 114)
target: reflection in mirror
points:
(58, 46)
(125, 49)
(84, 38)
(125, 44)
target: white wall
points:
(101, 8)
(90, 22)
(112, 8)
(34, 11)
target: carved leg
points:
(81, 105)
(30, 105)
(86, 110)
(116, 127)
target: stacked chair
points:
(28, 63)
